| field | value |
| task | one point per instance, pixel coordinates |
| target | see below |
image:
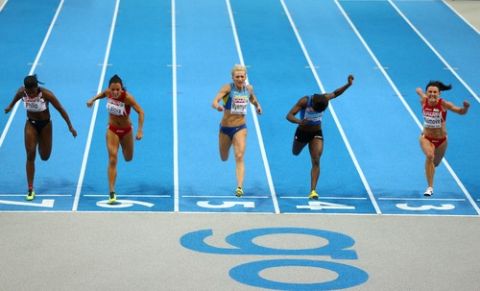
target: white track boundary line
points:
(442, 59)
(128, 195)
(332, 111)
(227, 197)
(324, 197)
(405, 104)
(422, 199)
(3, 5)
(254, 115)
(34, 66)
(459, 15)
(36, 195)
(95, 110)
(176, 195)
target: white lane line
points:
(95, 110)
(228, 197)
(175, 117)
(405, 104)
(3, 5)
(129, 195)
(460, 16)
(254, 116)
(442, 59)
(422, 199)
(36, 195)
(332, 111)
(321, 197)
(32, 70)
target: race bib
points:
(239, 104)
(313, 116)
(432, 119)
(35, 105)
(115, 107)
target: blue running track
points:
(175, 55)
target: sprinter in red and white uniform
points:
(434, 135)
(38, 127)
(119, 132)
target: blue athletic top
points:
(239, 98)
(308, 113)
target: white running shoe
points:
(428, 192)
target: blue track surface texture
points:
(371, 164)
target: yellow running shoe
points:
(113, 198)
(313, 195)
(239, 192)
(30, 195)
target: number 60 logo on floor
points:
(242, 242)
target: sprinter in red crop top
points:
(38, 127)
(433, 140)
(119, 132)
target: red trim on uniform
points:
(120, 131)
(436, 141)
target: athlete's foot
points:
(313, 195)
(112, 198)
(428, 192)
(239, 192)
(30, 195)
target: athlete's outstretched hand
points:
(73, 131)
(350, 79)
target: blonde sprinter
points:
(233, 128)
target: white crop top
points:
(35, 104)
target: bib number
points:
(433, 119)
(116, 108)
(35, 106)
(239, 105)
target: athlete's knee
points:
(31, 156)
(45, 157)
(430, 157)
(297, 148)
(239, 156)
(112, 160)
(223, 155)
(127, 155)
